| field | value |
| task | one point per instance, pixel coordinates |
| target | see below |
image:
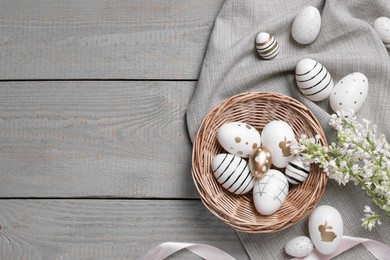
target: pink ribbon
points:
(205, 251)
(377, 249)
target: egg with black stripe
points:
(266, 46)
(296, 171)
(232, 172)
(313, 79)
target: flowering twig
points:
(360, 155)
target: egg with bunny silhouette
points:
(326, 229)
(278, 136)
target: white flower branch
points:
(360, 155)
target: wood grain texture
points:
(86, 139)
(104, 38)
(107, 229)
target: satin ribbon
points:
(377, 249)
(205, 251)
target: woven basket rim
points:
(246, 225)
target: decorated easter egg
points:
(313, 79)
(296, 171)
(350, 92)
(299, 247)
(306, 25)
(260, 161)
(326, 229)
(270, 192)
(277, 136)
(382, 28)
(232, 173)
(238, 138)
(266, 46)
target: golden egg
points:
(260, 161)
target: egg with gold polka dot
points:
(260, 162)
(349, 93)
(238, 138)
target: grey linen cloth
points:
(347, 43)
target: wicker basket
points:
(238, 211)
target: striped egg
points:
(296, 171)
(313, 80)
(266, 46)
(232, 172)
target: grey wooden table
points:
(94, 152)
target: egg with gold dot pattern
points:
(238, 138)
(260, 162)
(350, 92)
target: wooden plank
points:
(82, 139)
(104, 39)
(107, 229)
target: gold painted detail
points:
(326, 236)
(269, 49)
(285, 147)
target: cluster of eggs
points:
(305, 29)
(250, 155)
(326, 231)
(315, 83)
(313, 79)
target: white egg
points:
(232, 172)
(277, 136)
(296, 171)
(326, 229)
(266, 46)
(382, 28)
(313, 80)
(238, 138)
(299, 247)
(350, 92)
(270, 192)
(306, 25)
